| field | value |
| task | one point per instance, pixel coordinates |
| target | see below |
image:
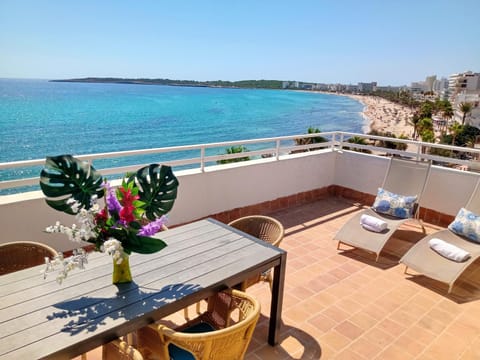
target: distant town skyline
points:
(346, 42)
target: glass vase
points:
(121, 272)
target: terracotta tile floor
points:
(343, 305)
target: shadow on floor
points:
(289, 337)
(466, 288)
(302, 217)
(392, 252)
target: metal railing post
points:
(202, 159)
(277, 149)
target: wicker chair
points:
(120, 350)
(20, 255)
(214, 335)
(265, 228)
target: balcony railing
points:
(202, 156)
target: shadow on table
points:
(130, 302)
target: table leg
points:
(277, 300)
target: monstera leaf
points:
(65, 177)
(157, 189)
(131, 242)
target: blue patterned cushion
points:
(396, 205)
(466, 224)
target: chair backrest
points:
(473, 203)
(407, 177)
(20, 255)
(263, 227)
(229, 343)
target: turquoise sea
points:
(39, 118)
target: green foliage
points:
(425, 124)
(157, 189)
(251, 84)
(444, 107)
(428, 136)
(465, 108)
(467, 135)
(402, 146)
(234, 150)
(131, 242)
(440, 152)
(360, 141)
(64, 178)
(148, 194)
(402, 97)
(311, 140)
(425, 110)
(388, 144)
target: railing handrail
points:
(339, 140)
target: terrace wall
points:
(258, 186)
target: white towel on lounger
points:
(372, 223)
(448, 250)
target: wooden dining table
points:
(40, 318)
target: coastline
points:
(385, 116)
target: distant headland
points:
(248, 84)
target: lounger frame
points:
(422, 259)
(405, 177)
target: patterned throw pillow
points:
(466, 224)
(396, 205)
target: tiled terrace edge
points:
(363, 199)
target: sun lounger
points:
(424, 260)
(403, 177)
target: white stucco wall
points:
(218, 189)
(447, 189)
(223, 188)
(227, 187)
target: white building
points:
(440, 88)
(429, 81)
(367, 87)
(417, 89)
(467, 82)
(465, 87)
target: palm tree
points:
(447, 113)
(426, 109)
(455, 129)
(311, 140)
(465, 108)
(414, 122)
(234, 150)
(425, 124)
(360, 141)
(427, 136)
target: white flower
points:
(77, 260)
(114, 248)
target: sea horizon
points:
(41, 118)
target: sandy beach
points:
(385, 116)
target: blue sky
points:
(337, 41)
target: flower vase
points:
(121, 272)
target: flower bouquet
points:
(130, 215)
